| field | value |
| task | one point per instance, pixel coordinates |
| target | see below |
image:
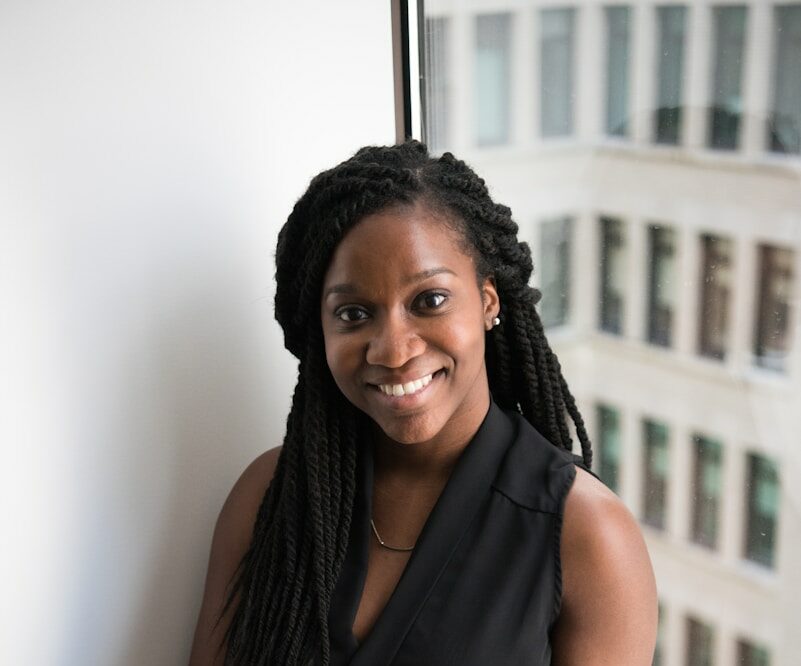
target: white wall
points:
(149, 152)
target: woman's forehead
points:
(405, 240)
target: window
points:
(726, 95)
(762, 509)
(706, 490)
(493, 78)
(700, 643)
(555, 271)
(661, 288)
(655, 477)
(618, 43)
(749, 654)
(785, 118)
(609, 446)
(716, 279)
(771, 342)
(671, 22)
(660, 636)
(556, 72)
(613, 273)
(437, 102)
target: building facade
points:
(651, 154)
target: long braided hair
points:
(283, 586)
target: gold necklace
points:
(384, 545)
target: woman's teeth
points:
(406, 389)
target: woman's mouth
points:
(410, 389)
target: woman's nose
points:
(395, 342)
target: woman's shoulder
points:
(232, 536)
(609, 604)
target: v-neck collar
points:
(468, 486)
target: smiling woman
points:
(425, 507)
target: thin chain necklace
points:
(384, 545)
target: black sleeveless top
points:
(483, 585)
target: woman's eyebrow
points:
(350, 288)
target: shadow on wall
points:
(180, 401)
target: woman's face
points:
(404, 320)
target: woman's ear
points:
(492, 304)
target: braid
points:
(281, 593)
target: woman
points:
(424, 508)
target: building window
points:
(785, 117)
(659, 656)
(437, 104)
(618, 44)
(716, 280)
(726, 94)
(750, 654)
(613, 275)
(556, 72)
(706, 490)
(671, 26)
(493, 79)
(762, 510)
(656, 473)
(609, 446)
(555, 271)
(661, 288)
(771, 341)
(700, 643)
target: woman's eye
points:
(351, 314)
(432, 300)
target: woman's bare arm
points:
(232, 536)
(609, 604)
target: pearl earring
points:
(496, 321)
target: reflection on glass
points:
(613, 275)
(785, 117)
(750, 654)
(671, 22)
(437, 101)
(609, 446)
(617, 70)
(706, 491)
(762, 509)
(771, 341)
(556, 72)
(661, 287)
(713, 330)
(492, 88)
(655, 473)
(727, 104)
(700, 643)
(555, 271)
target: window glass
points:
(555, 271)
(716, 276)
(655, 478)
(609, 446)
(700, 643)
(613, 275)
(785, 119)
(707, 488)
(556, 71)
(669, 133)
(492, 87)
(773, 306)
(727, 102)
(662, 285)
(671, 22)
(751, 654)
(763, 509)
(437, 102)
(617, 70)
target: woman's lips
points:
(408, 394)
